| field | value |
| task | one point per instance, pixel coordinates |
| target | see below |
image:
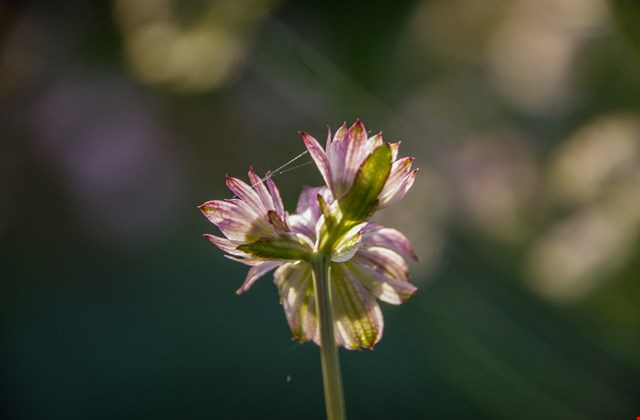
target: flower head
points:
(367, 264)
(332, 223)
(255, 227)
(354, 165)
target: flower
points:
(255, 227)
(365, 261)
(376, 270)
(343, 158)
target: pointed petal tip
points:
(358, 125)
(207, 207)
(306, 137)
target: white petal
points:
(295, 285)
(384, 288)
(358, 319)
(346, 247)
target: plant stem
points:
(331, 377)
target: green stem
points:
(332, 379)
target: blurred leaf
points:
(626, 14)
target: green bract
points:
(285, 247)
(361, 201)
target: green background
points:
(118, 118)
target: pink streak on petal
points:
(342, 131)
(354, 154)
(389, 238)
(399, 170)
(218, 210)
(384, 288)
(319, 157)
(393, 196)
(384, 261)
(258, 185)
(277, 199)
(234, 221)
(229, 218)
(245, 193)
(224, 244)
(335, 157)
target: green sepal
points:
(279, 248)
(329, 219)
(361, 200)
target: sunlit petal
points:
(358, 317)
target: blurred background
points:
(118, 118)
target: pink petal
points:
(308, 203)
(246, 260)
(258, 185)
(384, 288)
(224, 244)
(384, 261)
(233, 220)
(328, 144)
(277, 199)
(218, 210)
(319, 157)
(300, 224)
(245, 193)
(355, 153)
(388, 238)
(255, 273)
(340, 134)
(399, 170)
(336, 157)
(358, 319)
(390, 196)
